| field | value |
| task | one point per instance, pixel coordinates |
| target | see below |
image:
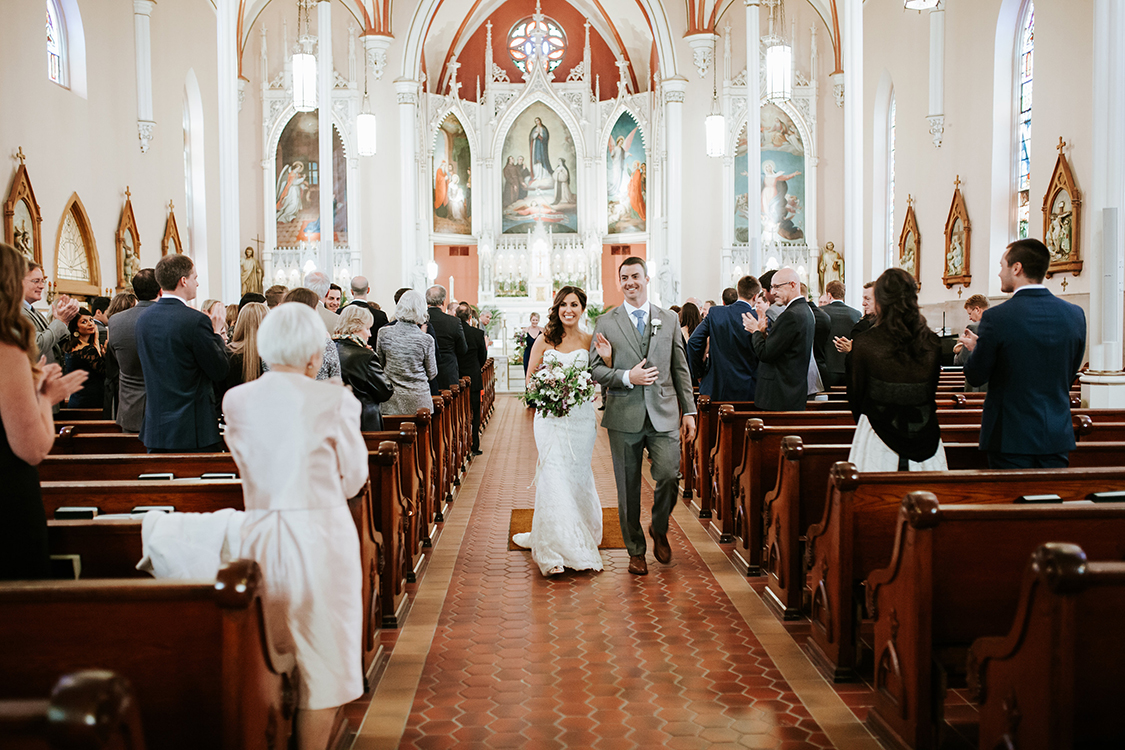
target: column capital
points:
(674, 89)
(407, 90)
(748, 3)
(143, 7)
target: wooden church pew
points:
(92, 709)
(197, 653)
(1054, 679)
(953, 577)
(855, 535)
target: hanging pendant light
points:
(920, 5)
(304, 65)
(779, 58)
(714, 126)
(365, 123)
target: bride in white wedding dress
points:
(567, 526)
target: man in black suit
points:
(731, 357)
(842, 319)
(822, 330)
(449, 337)
(470, 363)
(182, 355)
(121, 350)
(360, 290)
(785, 350)
(1028, 350)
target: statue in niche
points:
(251, 273)
(130, 263)
(23, 242)
(563, 196)
(831, 265)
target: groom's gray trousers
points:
(628, 457)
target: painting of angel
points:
(626, 177)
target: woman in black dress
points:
(893, 388)
(28, 390)
(359, 367)
(530, 333)
(86, 353)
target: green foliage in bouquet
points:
(555, 389)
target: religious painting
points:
(539, 174)
(626, 177)
(22, 220)
(297, 190)
(76, 254)
(780, 176)
(958, 237)
(1061, 218)
(128, 242)
(453, 179)
(910, 244)
(171, 242)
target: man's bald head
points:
(360, 287)
(786, 285)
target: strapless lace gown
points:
(567, 527)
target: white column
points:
(142, 16)
(1105, 386)
(407, 91)
(325, 77)
(227, 39)
(851, 47)
(936, 117)
(753, 125)
(674, 89)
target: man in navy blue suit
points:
(728, 374)
(182, 356)
(1028, 350)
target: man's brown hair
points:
(171, 268)
(835, 289)
(748, 287)
(978, 301)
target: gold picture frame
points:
(128, 241)
(23, 221)
(1062, 218)
(171, 241)
(910, 244)
(958, 241)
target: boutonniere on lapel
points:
(656, 323)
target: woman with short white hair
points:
(359, 367)
(300, 454)
(408, 356)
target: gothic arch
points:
(86, 281)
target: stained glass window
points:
(892, 240)
(521, 44)
(1023, 122)
(72, 263)
(55, 45)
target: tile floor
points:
(494, 655)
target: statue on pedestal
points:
(251, 273)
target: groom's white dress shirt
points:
(629, 309)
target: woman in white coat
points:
(300, 454)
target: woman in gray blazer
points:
(408, 357)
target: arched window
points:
(56, 44)
(1025, 50)
(521, 45)
(892, 245)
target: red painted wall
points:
(464, 270)
(506, 16)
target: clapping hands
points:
(967, 340)
(65, 308)
(56, 387)
(218, 317)
(843, 345)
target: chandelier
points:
(779, 58)
(304, 64)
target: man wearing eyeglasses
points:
(49, 335)
(783, 347)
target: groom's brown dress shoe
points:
(637, 565)
(661, 550)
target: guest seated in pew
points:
(1029, 351)
(360, 367)
(893, 389)
(330, 362)
(408, 356)
(300, 454)
(245, 362)
(85, 351)
(28, 391)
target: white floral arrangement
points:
(555, 389)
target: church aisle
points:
(494, 655)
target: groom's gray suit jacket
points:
(663, 347)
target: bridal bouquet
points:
(556, 389)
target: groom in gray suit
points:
(649, 387)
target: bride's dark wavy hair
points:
(896, 295)
(553, 333)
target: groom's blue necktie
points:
(640, 316)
